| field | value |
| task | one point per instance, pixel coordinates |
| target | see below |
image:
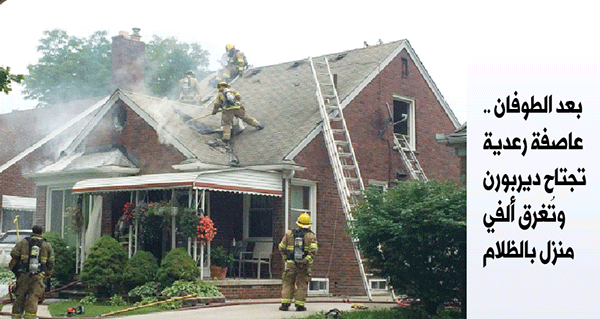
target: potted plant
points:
(220, 260)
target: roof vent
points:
(295, 65)
(339, 57)
(253, 72)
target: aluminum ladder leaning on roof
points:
(341, 153)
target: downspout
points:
(286, 205)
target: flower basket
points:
(205, 230)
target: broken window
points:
(404, 120)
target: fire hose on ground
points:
(147, 305)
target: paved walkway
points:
(249, 309)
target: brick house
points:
(30, 139)
(135, 148)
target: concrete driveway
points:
(251, 309)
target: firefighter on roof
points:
(32, 262)
(234, 65)
(189, 89)
(231, 102)
(298, 249)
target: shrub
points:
(141, 268)
(415, 235)
(183, 287)
(220, 257)
(64, 258)
(90, 299)
(145, 301)
(6, 276)
(149, 289)
(103, 267)
(176, 265)
(117, 300)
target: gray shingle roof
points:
(281, 96)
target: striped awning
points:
(233, 180)
(18, 203)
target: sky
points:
(444, 34)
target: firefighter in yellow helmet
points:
(298, 249)
(32, 262)
(235, 64)
(230, 101)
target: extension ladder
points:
(341, 153)
(409, 158)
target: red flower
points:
(128, 211)
(205, 229)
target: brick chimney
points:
(128, 56)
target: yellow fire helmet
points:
(222, 84)
(229, 47)
(303, 220)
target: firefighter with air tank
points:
(298, 249)
(230, 101)
(32, 262)
(235, 63)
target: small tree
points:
(177, 265)
(415, 235)
(64, 258)
(141, 268)
(103, 267)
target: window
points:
(318, 286)
(58, 220)
(303, 199)
(378, 185)
(378, 285)
(404, 119)
(259, 211)
(404, 68)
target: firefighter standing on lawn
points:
(298, 249)
(32, 262)
(231, 102)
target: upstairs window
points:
(404, 119)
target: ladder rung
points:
(341, 143)
(348, 167)
(342, 154)
(338, 131)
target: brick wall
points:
(40, 211)
(258, 291)
(140, 139)
(128, 58)
(366, 117)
